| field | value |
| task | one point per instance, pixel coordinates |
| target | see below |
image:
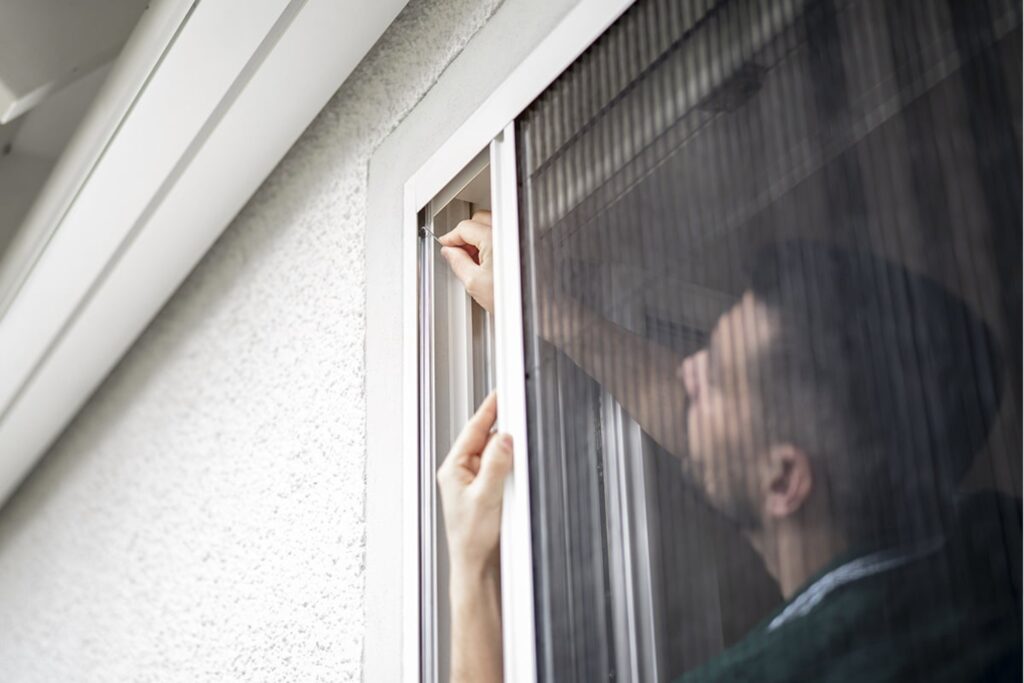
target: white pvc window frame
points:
(491, 127)
(456, 339)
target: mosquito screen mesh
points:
(772, 297)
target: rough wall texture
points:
(203, 517)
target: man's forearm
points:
(639, 373)
(476, 625)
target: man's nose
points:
(688, 373)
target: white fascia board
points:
(234, 91)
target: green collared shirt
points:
(881, 617)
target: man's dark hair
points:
(888, 382)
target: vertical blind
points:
(772, 295)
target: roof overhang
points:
(204, 101)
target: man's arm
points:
(472, 480)
(639, 373)
(476, 625)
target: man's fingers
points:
(461, 264)
(474, 233)
(474, 435)
(486, 413)
(495, 464)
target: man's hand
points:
(467, 248)
(471, 479)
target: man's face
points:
(721, 417)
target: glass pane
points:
(772, 297)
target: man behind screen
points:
(831, 416)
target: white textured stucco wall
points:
(203, 517)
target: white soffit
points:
(47, 43)
(205, 100)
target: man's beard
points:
(724, 491)
(737, 507)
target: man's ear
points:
(789, 480)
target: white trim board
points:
(577, 31)
(127, 223)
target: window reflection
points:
(781, 241)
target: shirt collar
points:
(848, 572)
